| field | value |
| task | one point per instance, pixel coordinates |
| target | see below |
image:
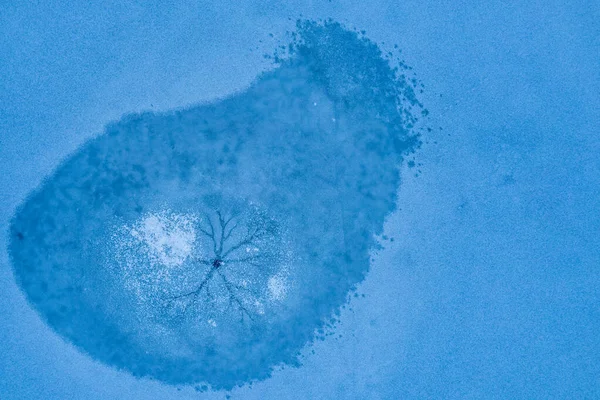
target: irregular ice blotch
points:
(168, 237)
(277, 286)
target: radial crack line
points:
(233, 297)
(244, 259)
(244, 242)
(212, 234)
(197, 291)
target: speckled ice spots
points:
(277, 285)
(168, 237)
(148, 255)
(185, 267)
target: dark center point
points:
(217, 263)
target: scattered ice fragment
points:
(277, 287)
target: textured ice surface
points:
(212, 244)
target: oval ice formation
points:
(209, 245)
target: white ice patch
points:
(150, 255)
(168, 237)
(277, 286)
(259, 307)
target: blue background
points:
(491, 287)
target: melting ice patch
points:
(211, 244)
